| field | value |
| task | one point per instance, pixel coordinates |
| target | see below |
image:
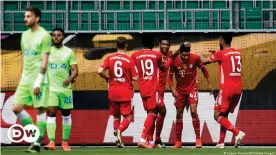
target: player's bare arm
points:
(176, 52)
(42, 73)
(204, 60)
(206, 75)
(101, 73)
(170, 83)
(73, 76)
(135, 78)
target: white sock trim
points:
(23, 115)
(41, 117)
(51, 119)
(66, 120)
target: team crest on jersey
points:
(191, 65)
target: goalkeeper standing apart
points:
(33, 89)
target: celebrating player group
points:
(153, 69)
(50, 68)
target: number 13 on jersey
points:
(236, 65)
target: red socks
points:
(149, 122)
(196, 125)
(159, 126)
(116, 124)
(179, 128)
(224, 122)
(222, 134)
(124, 125)
(151, 132)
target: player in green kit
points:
(62, 60)
(33, 89)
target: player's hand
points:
(74, 80)
(66, 83)
(199, 53)
(107, 79)
(174, 93)
(187, 44)
(36, 90)
(211, 89)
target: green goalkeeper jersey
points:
(60, 61)
(33, 45)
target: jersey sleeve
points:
(105, 64)
(216, 57)
(72, 59)
(134, 71)
(46, 44)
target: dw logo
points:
(17, 133)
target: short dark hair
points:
(36, 11)
(59, 29)
(227, 38)
(164, 39)
(121, 42)
(183, 48)
(147, 40)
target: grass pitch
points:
(7, 150)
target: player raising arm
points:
(229, 60)
(62, 60)
(148, 62)
(122, 71)
(33, 89)
(184, 66)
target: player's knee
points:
(179, 114)
(40, 110)
(128, 116)
(216, 115)
(154, 110)
(17, 108)
(117, 116)
(51, 111)
(51, 114)
(224, 114)
(66, 112)
(194, 114)
(162, 111)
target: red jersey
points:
(229, 69)
(185, 73)
(163, 75)
(147, 62)
(121, 70)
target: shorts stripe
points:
(219, 98)
(157, 97)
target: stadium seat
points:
(253, 15)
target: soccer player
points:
(62, 60)
(164, 46)
(184, 66)
(229, 60)
(122, 71)
(33, 89)
(148, 62)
